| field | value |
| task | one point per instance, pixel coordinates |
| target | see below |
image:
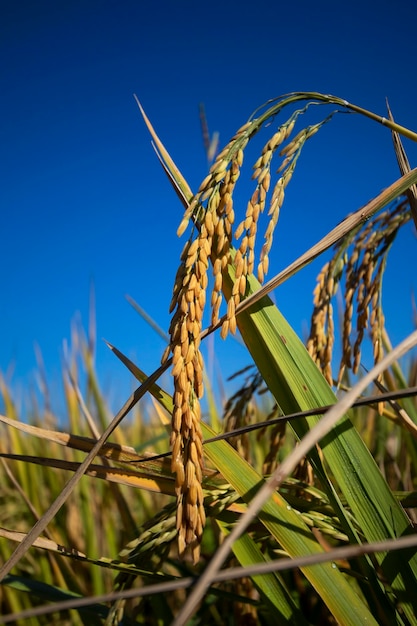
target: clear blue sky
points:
(83, 197)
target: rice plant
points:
(306, 511)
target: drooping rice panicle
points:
(291, 153)
(213, 214)
(245, 256)
(187, 368)
(321, 339)
(214, 232)
(361, 258)
(240, 410)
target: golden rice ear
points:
(212, 213)
(359, 262)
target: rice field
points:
(293, 502)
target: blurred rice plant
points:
(99, 517)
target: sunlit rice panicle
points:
(377, 325)
(321, 340)
(211, 211)
(240, 410)
(363, 275)
(214, 231)
(328, 352)
(276, 203)
(187, 369)
(247, 229)
(361, 258)
(222, 215)
(364, 295)
(292, 150)
(349, 293)
(245, 257)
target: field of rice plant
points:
(293, 502)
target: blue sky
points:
(84, 200)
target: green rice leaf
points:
(283, 522)
(297, 384)
(277, 598)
